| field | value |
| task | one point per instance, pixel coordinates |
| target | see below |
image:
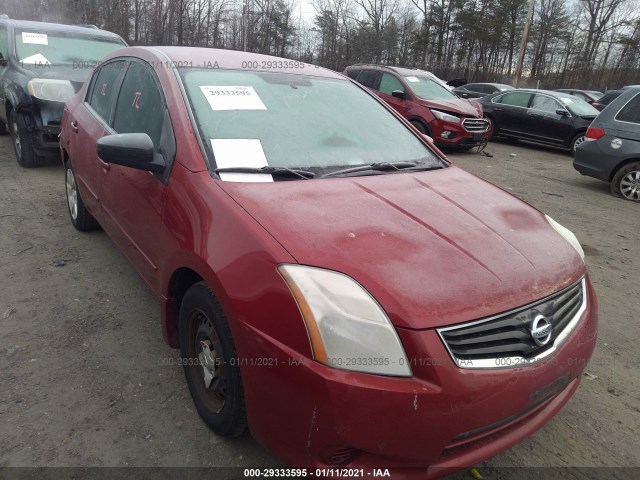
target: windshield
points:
(47, 48)
(595, 94)
(258, 119)
(577, 106)
(429, 89)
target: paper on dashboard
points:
(240, 152)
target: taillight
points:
(595, 133)
(595, 105)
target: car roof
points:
(404, 71)
(212, 58)
(552, 93)
(609, 114)
(84, 30)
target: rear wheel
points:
(80, 216)
(3, 128)
(626, 182)
(577, 140)
(25, 155)
(211, 363)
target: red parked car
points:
(431, 107)
(332, 281)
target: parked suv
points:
(479, 90)
(611, 151)
(421, 98)
(41, 66)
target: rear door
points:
(89, 122)
(4, 56)
(547, 126)
(133, 200)
(510, 112)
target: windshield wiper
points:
(282, 171)
(383, 167)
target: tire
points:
(420, 127)
(494, 128)
(80, 216)
(626, 182)
(3, 128)
(202, 324)
(25, 155)
(575, 141)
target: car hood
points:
(434, 248)
(461, 106)
(75, 75)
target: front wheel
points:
(626, 182)
(25, 154)
(210, 362)
(577, 140)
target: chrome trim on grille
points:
(515, 362)
(476, 125)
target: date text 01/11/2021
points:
(316, 473)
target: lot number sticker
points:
(413, 79)
(233, 98)
(37, 38)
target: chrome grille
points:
(476, 125)
(507, 340)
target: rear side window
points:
(631, 111)
(353, 73)
(104, 88)
(515, 99)
(389, 83)
(140, 108)
(4, 43)
(473, 87)
(369, 78)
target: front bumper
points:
(456, 135)
(442, 419)
(43, 123)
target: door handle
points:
(497, 109)
(74, 126)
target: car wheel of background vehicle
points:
(626, 182)
(80, 216)
(577, 140)
(25, 155)
(211, 363)
(421, 127)
(3, 128)
(493, 128)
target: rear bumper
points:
(440, 420)
(596, 158)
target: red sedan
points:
(332, 281)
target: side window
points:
(489, 89)
(103, 88)
(389, 83)
(4, 43)
(368, 78)
(631, 111)
(546, 104)
(140, 108)
(515, 99)
(581, 95)
(353, 73)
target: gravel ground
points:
(86, 379)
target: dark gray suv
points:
(611, 151)
(41, 66)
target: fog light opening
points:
(342, 456)
(446, 134)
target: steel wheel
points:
(72, 193)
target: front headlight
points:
(347, 328)
(567, 234)
(445, 117)
(50, 89)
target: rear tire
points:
(80, 216)
(626, 182)
(210, 362)
(20, 138)
(3, 128)
(575, 141)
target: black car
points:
(611, 151)
(478, 90)
(606, 99)
(541, 116)
(588, 96)
(41, 66)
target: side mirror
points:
(562, 112)
(134, 150)
(399, 94)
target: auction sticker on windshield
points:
(232, 98)
(240, 152)
(37, 38)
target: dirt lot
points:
(86, 379)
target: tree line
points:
(591, 44)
